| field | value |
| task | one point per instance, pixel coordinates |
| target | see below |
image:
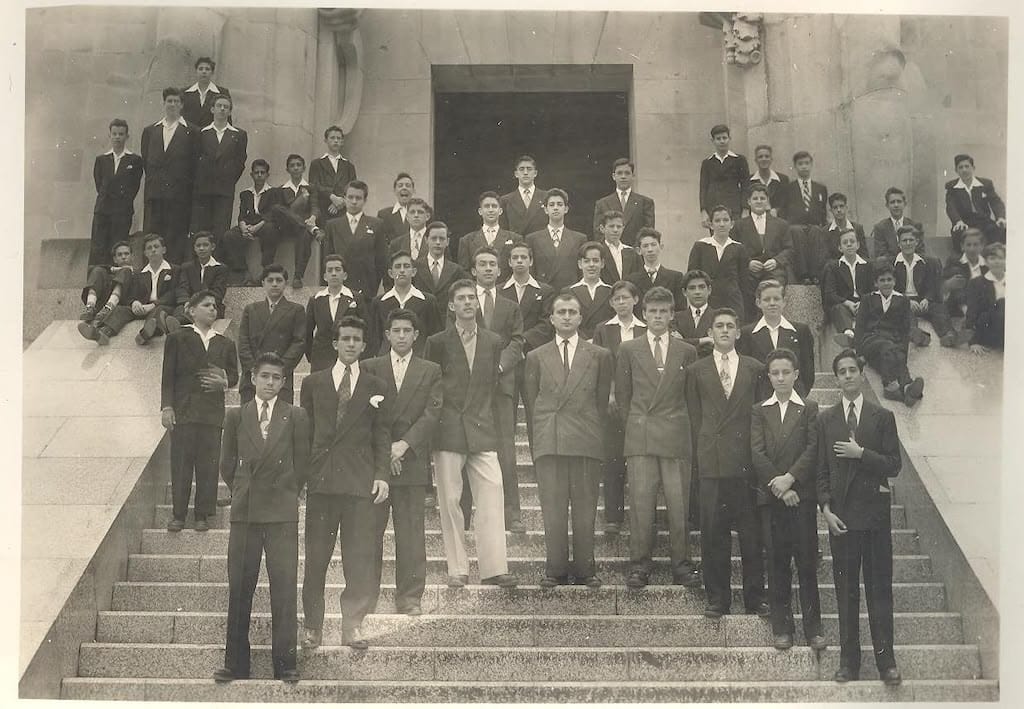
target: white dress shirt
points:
(975, 269)
(696, 313)
(591, 287)
(624, 197)
(414, 292)
(773, 332)
(270, 409)
(911, 289)
(170, 128)
(399, 209)
(719, 247)
(333, 300)
(663, 341)
(1000, 285)
(783, 405)
(416, 242)
(155, 277)
(732, 364)
(760, 222)
(203, 266)
(886, 302)
(353, 221)
(521, 287)
(210, 334)
(338, 371)
(772, 175)
(852, 267)
(335, 159)
(573, 342)
(399, 366)
(721, 158)
(220, 131)
(556, 230)
(490, 233)
(295, 188)
(858, 404)
(627, 330)
(117, 156)
(527, 194)
(616, 254)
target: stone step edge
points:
(521, 587)
(473, 559)
(528, 533)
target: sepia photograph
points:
(533, 355)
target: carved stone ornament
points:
(348, 44)
(743, 38)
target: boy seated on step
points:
(986, 302)
(106, 285)
(882, 337)
(960, 269)
(917, 277)
(204, 272)
(693, 322)
(845, 283)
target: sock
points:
(90, 299)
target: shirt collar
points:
(290, 185)
(431, 259)
(900, 259)
(195, 87)
(729, 154)
(328, 155)
(960, 185)
(126, 152)
(480, 290)
(597, 285)
(783, 323)
(181, 121)
(989, 276)
(858, 404)
(338, 370)
(266, 187)
(552, 229)
(794, 398)
(395, 358)
(634, 322)
(227, 126)
(860, 260)
(512, 281)
(711, 240)
(270, 405)
(414, 292)
(963, 259)
(732, 355)
(894, 292)
(345, 290)
(211, 262)
(164, 266)
(463, 330)
(573, 341)
(664, 338)
(207, 337)
(772, 176)
(835, 225)
(397, 208)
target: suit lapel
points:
(793, 413)
(650, 369)
(356, 405)
(672, 364)
(551, 359)
(278, 420)
(413, 374)
(580, 363)
(249, 415)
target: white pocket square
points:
(375, 400)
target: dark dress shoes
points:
(844, 675)
(553, 581)
(459, 581)
(761, 610)
(225, 675)
(202, 525)
(311, 638)
(783, 641)
(353, 637)
(714, 612)
(636, 580)
(913, 392)
(412, 610)
(589, 581)
(289, 676)
(686, 575)
(818, 642)
(175, 525)
(515, 526)
(501, 580)
(892, 677)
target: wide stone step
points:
(471, 692)
(516, 664)
(610, 599)
(531, 544)
(519, 630)
(214, 568)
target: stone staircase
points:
(163, 635)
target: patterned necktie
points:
(344, 392)
(622, 200)
(527, 196)
(400, 373)
(805, 187)
(725, 376)
(565, 358)
(652, 274)
(265, 419)
(556, 237)
(851, 419)
(488, 308)
(469, 347)
(696, 317)
(659, 357)
(435, 270)
(416, 246)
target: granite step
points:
(519, 630)
(214, 568)
(467, 692)
(215, 541)
(527, 599)
(517, 664)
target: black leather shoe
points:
(515, 526)
(553, 581)
(686, 575)
(913, 392)
(459, 581)
(844, 675)
(501, 580)
(784, 641)
(311, 638)
(87, 330)
(289, 676)
(818, 642)
(761, 610)
(636, 580)
(892, 677)
(89, 314)
(612, 529)
(715, 612)
(412, 610)
(353, 637)
(225, 675)
(589, 582)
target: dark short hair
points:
(837, 197)
(718, 129)
(401, 253)
(119, 244)
(152, 237)
(437, 225)
(333, 129)
(895, 190)
(205, 60)
(719, 208)
(759, 187)
(401, 175)
(973, 231)
(908, 229)
(961, 157)
(802, 155)
(350, 321)
(171, 91)
(204, 235)
(359, 185)
(525, 158)
(521, 245)
(458, 285)
(763, 146)
(623, 161)
(556, 192)
(117, 123)
(659, 294)
(334, 257)
(271, 358)
(782, 353)
(201, 295)
(766, 284)
(294, 156)
(696, 275)
(224, 97)
(590, 246)
(993, 249)
(565, 294)
(611, 214)
(648, 231)
(844, 232)
(848, 353)
(273, 268)
(489, 194)
(728, 312)
(420, 201)
(260, 162)
(487, 251)
(402, 314)
(628, 286)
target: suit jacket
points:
(347, 456)
(983, 206)
(893, 324)
(569, 413)
(503, 243)
(665, 277)
(394, 223)
(180, 388)
(426, 310)
(927, 280)
(556, 267)
(609, 335)
(414, 413)
(653, 407)
(515, 215)
(791, 204)
(265, 476)
(324, 181)
(594, 311)
(219, 165)
(365, 252)
(775, 244)
(721, 426)
(728, 274)
(759, 344)
(683, 324)
(883, 238)
(832, 240)
(955, 267)
(467, 417)
(639, 212)
(785, 446)
(773, 187)
(402, 241)
(424, 280)
(507, 323)
(837, 283)
(115, 192)
(980, 294)
(283, 332)
(319, 347)
(632, 262)
(192, 279)
(169, 173)
(141, 287)
(858, 490)
(723, 182)
(535, 308)
(252, 212)
(197, 112)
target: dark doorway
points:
(575, 137)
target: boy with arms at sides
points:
(884, 240)
(414, 387)
(254, 222)
(106, 285)
(360, 238)
(592, 292)
(395, 218)
(784, 447)
(325, 309)
(329, 175)
(271, 324)
(723, 178)
(567, 383)
(650, 376)
(720, 394)
(117, 174)
(522, 210)
(846, 282)
(986, 302)
(556, 247)
(404, 295)
(724, 260)
(151, 295)
(490, 234)
(440, 272)
(651, 273)
(973, 201)
(204, 272)
(767, 241)
(882, 337)
(961, 268)
(693, 321)
(414, 238)
(773, 331)
(295, 215)
(837, 204)
(858, 451)
(620, 260)
(918, 279)
(264, 459)
(636, 210)
(765, 175)
(220, 161)
(199, 365)
(198, 99)
(802, 205)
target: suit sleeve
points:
(648, 207)
(878, 245)
(862, 322)
(169, 369)
(744, 176)
(824, 467)
(181, 289)
(694, 407)
(885, 462)
(97, 173)
(784, 256)
(381, 438)
(243, 145)
(513, 352)
(219, 284)
(169, 297)
(317, 187)
(543, 331)
(764, 468)
(598, 212)
(605, 378)
(144, 147)
(531, 380)
(806, 355)
(951, 211)
(306, 400)
(705, 180)
(245, 354)
(995, 201)
(803, 469)
(300, 444)
(231, 365)
(310, 328)
(421, 434)
(297, 347)
(623, 383)
(974, 294)
(229, 447)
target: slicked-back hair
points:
(782, 353)
(848, 353)
(557, 192)
(118, 123)
(489, 194)
(802, 155)
(402, 314)
(648, 231)
(401, 253)
(460, 284)
(659, 294)
(486, 250)
(205, 60)
(627, 286)
(895, 190)
(401, 175)
(259, 162)
(359, 185)
(624, 161)
(350, 321)
(335, 257)
(694, 275)
(199, 296)
(171, 91)
(273, 268)
(612, 214)
(769, 283)
(333, 129)
(725, 312)
(271, 358)
(961, 157)
(837, 197)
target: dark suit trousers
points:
(122, 315)
(614, 472)
(291, 225)
(936, 315)
(247, 391)
(887, 358)
(870, 552)
(727, 503)
(246, 543)
(170, 219)
(212, 212)
(195, 449)
(646, 473)
(564, 481)
(809, 250)
(107, 230)
(357, 520)
(405, 505)
(504, 408)
(103, 282)
(841, 317)
(990, 328)
(232, 249)
(791, 534)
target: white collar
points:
(762, 215)
(552, 228)
(974, 183)
(574, 340)
(126, 152)
(963, 259)
(431, 260)
(531, 188)
(628, 190)
(292, 186)
(180, 121)
(395, 358)
(732, 355)
(195, 87)
(496, 227)
(990, 277)
(345, 290)
(164, 266)
(858, 404)
(794, 398)
(414, 292)
(635, 322)
(211, 262)
(711, 240)
(612, 247)
(270, 405)
(772, 175)
(693, 311)
(397, 208)
(207, 337)
(835, 225)
(338, 370)
(357, 217)
(227, 126)
(650, 337)
(328, 155)
(917, 259)
(782, 323)
(512, 282)
(860, 260)
(729, 154)
(894, 292)
(266, 186)
(480, 290)
(597, 285)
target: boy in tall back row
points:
(220, 161)
(271, 324)
(197, 101)
(523, 209)
(329, 175)
(724, 177)
(651, 272)
(773, 181)
(773, 331)
(440, 272)
(556, 247)
(768, 243)
(972, 201)
(361, 239)
(884, 239)
(636, 210)
(395, 217)
(403, 294)
(117, 174)
(803, 206)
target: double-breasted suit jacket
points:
(141, 287)
(884, 241)
(320, 325)
(837, 285)
(197, 110)
(324, 181)
(791, 205)
(365, 251)
(978, 206)
(785, 446)
(664, 277)
(693, 332)
(517, 217)
(192, 278)
(558, 267)
(632, 262)
(438, 287)
(637, 214)
(535, 307)
(220, 164)
(593, 310)
(171, 170)
(282, 331)
(775, 244)
(393, 221)
(797, 340)
(116, 191)
(727, 272)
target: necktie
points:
(399, 373)
(622, 200)
(851, 419)
(556, 236)
(696, 317)
(527, 194)
(489, 235)
(805, 188)
(435, 270)
(416, 246)
(488, 308)
(202, 274)
(344, 392)
(725, 376)
(652, 274)
(469, 347)
(353, 224)
(264, 419)
(565, 357)
(659, 356)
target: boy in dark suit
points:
(844, 285)
(199, 365)
(198, 99)
(784, 449)
(414, 388)
(403, 295)
(329, 176)
(440, 272)
(204, 272)
(395, 218)
(254, 222)
(469, 357)
(349, 476)
(592, 292)
(106, 285)
(650, 375)
(651, 273)
(413, 239)
(619, 259)
(117, 174)
(272, 324)
(523, 209)
(693, 321)
(169, 156)
(768, 244)
(556, 247)
(973, 201)
(986, 302)
(720, 393)
(773, 331)
(636, 210)
(360, 238)
(802, 205)
(885, 243)
(220, 162)
(264, 459)
(567, 383)
(858, 451)
(325, 309)
(295, 215)
(882, 337)
(723, 178)
(918, 279)
(151, 295)
(490, 234)
(765, 175)
(960, 269)
(838, 205)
